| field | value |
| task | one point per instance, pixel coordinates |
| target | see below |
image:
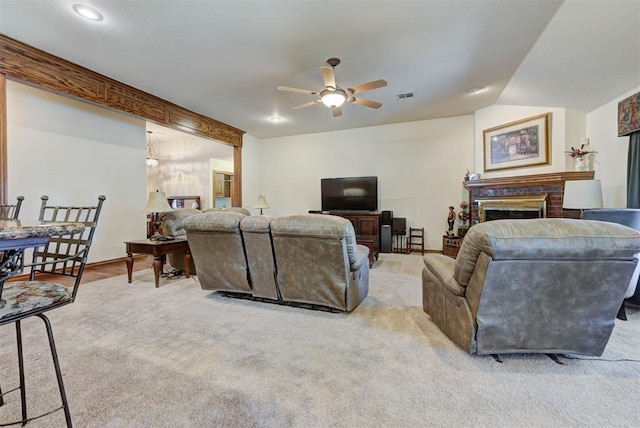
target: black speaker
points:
(399, 226)
(385, 239)
(387, 218)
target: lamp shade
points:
(582, 194)
(262, 202)
(157, 203)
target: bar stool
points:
(62, 255)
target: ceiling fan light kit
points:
(333, 99)
(333, 96)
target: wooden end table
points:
(371, 242)
(159, 250)
(451, 245)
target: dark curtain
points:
(633, 171)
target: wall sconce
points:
(262, 203)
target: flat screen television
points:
(349, 194)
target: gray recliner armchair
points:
(629, 217)
(532, 286)
(171, 226)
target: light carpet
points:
(179, 356)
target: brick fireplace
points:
(527, 196)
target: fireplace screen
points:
(517, 207)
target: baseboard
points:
(88, 266)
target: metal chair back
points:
(11, 211)
(66, 255)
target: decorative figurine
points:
(451, 220)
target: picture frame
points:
(519, 144)
(629, 115)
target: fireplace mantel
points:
(525, 185)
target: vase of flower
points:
(582, 159)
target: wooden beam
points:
(4, 187)
(24, 63)
(237, 176)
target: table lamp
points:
(262, 203)
(156, 203)
(582, 195)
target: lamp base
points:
(158, 237)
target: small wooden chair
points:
(11, 211)
(415, 241)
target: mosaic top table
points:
(16, 237)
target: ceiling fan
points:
(334, 96)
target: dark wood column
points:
(4, 187)
(237, 176)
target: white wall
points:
(73, 152)
(185, 163)
(182, 178)
(611, 159)
(567, 127)
(420, 168)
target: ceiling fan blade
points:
(328, 76)
(363, 102)
(337, 111)
(300, 91)
(380, 83)
(309, 104)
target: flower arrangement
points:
(578, 153)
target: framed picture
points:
(519, 144)
(629, 115)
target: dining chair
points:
(11, 211)
(62, 255)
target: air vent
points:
(405, 95)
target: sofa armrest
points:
(442, 267)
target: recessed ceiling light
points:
(476, 90)
(275, 119)
(87, 12)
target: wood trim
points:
(91, 266)
(4, 187)
(237, 176)
(528, 180)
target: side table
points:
(451, 245)
(371, 242)
(159, 250)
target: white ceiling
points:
(225, 59)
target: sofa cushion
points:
(320, 226)
(239, 210)
(551, 238)
(219, 221)
(256, 224)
